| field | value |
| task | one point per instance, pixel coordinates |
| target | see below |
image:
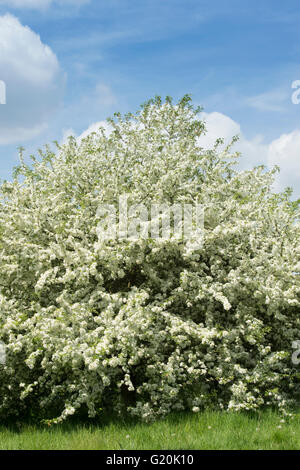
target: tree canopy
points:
(148, 325)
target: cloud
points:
(137, 22)
(41, 4)
(218, 125)
(8, 134)
(26, 3)
(283, 151)
(104, 95)
(92, 105)
(66, 133)
(274, 100)
(95, 127)
(92, 128)
(33, 78)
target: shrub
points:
(147, 325)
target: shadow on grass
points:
(128, 422)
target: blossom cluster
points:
(146, 326)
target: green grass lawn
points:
(207, 430)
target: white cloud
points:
(34, 81)
(99, 98)
(66, 133)
(92, 106)
(26, 3)
(284, 151)
(23, 53)
(20, 134)
(41, 4)
(92, 128)
(274, 100)
(104, 95)
(218, 126)
(95, 127)
(254, 151)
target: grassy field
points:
(207, 430)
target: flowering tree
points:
(147, 325)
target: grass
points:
(207, 430)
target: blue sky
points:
(69, 64)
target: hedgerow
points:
(149, 325)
